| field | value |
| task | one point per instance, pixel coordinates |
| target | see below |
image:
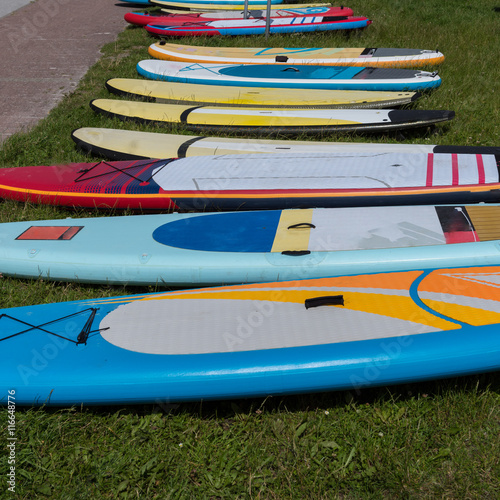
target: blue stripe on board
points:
(416, 298)
(309, 10)
(313, 72)
(144, 184)
(119, 179)
(285, 51)
(224, 232)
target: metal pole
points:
(268, 17)
(245, 12)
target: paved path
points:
(47, 47)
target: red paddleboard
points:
(260, 181)
(145, 18)
(257, 26)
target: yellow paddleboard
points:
(185, 93)
(118, 144)
(269, 120)
(359, 56)
(206, 7)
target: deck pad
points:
(323, 230)
(384, 171)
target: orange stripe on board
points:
(480, 282)
(73, 194)
(253, 195)
(386, 281)
(336, 193)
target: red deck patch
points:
(49, 233)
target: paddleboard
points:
(307, 76)
(138, 2)
(241, 3)
(145, 18)
(206, 7)
(228, 4)
(195, 93)
(268, 120)
(254, 182)
(254, 340)
(367, 56)
(238, 27)
(116, 144)
(240, 247)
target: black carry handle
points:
(327, 300)
(301, 224)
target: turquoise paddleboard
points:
(239, 247)
(307, 76)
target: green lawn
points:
(429, 440)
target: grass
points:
(426, 441)
(429, 440)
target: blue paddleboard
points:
(254, 340)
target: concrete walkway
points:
(47, 47)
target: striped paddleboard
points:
(235, 182)
(145, 18)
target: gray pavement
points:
(47, 47)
